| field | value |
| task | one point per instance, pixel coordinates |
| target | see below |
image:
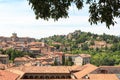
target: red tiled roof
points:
(59, 53)
(45, 69)
(2, 55)
(85, 55)
(103, 77)
(110, 69)
(44, 58)
(75, 68)
(6, 75)
(34, 43)
(86, 69)
(21, 59)
(46, 62)
(68, 54)
(100, 43)
(36, 49)
(2, 66)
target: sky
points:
(17, 16)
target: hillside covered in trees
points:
(104, 49)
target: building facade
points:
(4, 59)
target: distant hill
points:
(81, 40)
(104, 49)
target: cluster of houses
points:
(24, 44)
(28, 68)
(48, 54)
(100, 44)
(46, 60)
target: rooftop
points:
(6, 75)
(2, 55)
(2, 66)
(110, 69)
(46, 69)
(85, 55)
(86, 69)
(35, 49)
(103, 77)
(80, 72)
(21, 59)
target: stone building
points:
(82, 59)
(15, 38)
(4, 59)
(22, 60)
(78, 59)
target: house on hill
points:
(78, 59)
(82, 59)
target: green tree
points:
(68, 62)
(55, 63)
(101, 11)
(92, 42)
(15, 53)
(63, 59)
(115, 47)
(85, 46)
(2, 51)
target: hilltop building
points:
(25, 44)
(15, 38)
(82, 59)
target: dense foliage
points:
(80, 42)
(103, 11)
(14, 53)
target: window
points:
(63, 77)
(25, 77)
(36, 77)
(57, 77)
(52, 77)
(47, 77)
(31, 77)
(68, 77)
(41, 77)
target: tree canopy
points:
(100, 11)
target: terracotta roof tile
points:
(21, 59)
(46, 62)
(110, 69)
(86, 69)
(85, 55)
(103, 77)
(46, 69)
(75, 68)
(2, 66)
(6, 75)
(42, 69)
(34, 43)
(35, 49)
(2, 55)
